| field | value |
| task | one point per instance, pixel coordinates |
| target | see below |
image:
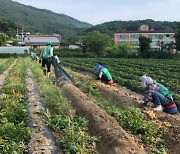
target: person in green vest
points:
(46, 57)
(103, 74)
(159, 95)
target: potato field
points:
(126, 72)
(40, 116)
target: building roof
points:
(41, 39)
(14, 49)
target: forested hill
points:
(8, 27)
(39, 20)
(111, 27)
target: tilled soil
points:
(42, 141)
(168, 124)
(113, 139)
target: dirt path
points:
(42, 141)
(168, 124)
(5, 73)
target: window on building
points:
(153, 36)
(123, 36)
(155, 43)
(135, 42)
(134, 36)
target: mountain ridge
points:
(40, 20)
(114, 26)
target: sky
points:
(100, 11)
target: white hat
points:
(145, 81)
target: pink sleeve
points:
(148, 96)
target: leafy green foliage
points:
(121, 50)
(177, 36)
(13, 113)
(5, 63)
(126, 71)
(15, 43)
(8, 27)
(3, 39)
(96, 42)
(74, 139)
(144, 46)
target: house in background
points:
(156, 36)
(40, 41)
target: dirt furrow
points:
(42, 141)
(113, 139)
(168, 124)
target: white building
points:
(133, 36)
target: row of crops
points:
(5, 63)
(69, 129)
(129, 118)
(126, 72)
(13, 114)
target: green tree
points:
(2, 39)
(97, 42)
(144, 46)
(15, 43)
(121, 50)
(11, 33)
(126, 48)
(177, 36)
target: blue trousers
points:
(159, 99)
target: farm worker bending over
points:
(159, 95)
(103, 74)
(46, 56)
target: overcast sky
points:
(100, 11)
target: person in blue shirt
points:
(103, 74)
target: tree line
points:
(102, 45)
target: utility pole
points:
(22, 36)
(17, 36)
